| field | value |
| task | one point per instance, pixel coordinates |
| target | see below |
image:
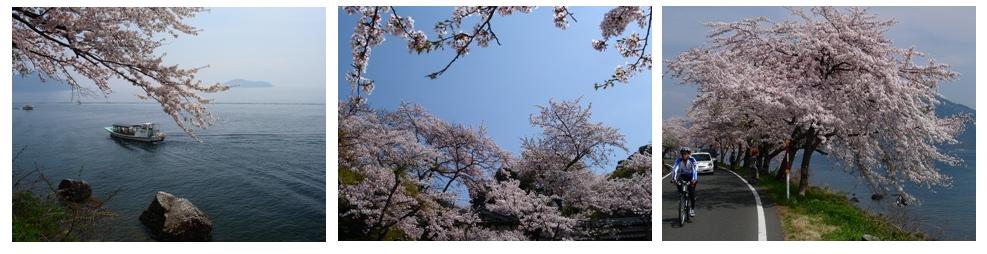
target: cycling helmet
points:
(685, 150)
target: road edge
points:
(762, 233)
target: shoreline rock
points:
(74, 190)
(171, 218)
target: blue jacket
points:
(690, 167)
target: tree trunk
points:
(780, 174)
(768, 157)
(747, 158)
(734, 157)
(382, 230)
(721, 152)
(757, 166)
(790, 150)
(762, 166)
(810, 147)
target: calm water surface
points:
(944, 213)
(260, 172)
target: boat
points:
(28, 107)
(146, 132)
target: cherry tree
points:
(407, 161)
(404, 175)
(535, 213)
(627, 190)
(674, 134)
(830, 80)
(375, 22)
(559, 162)
(102, 44)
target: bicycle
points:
(684, 204)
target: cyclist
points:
(685, 168)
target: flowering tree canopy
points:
(409, 175)
(674, 134)
(829, 81)
(100, 44)
(371, 29)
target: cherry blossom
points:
(614, 24)
(411, 171)
(675, 134)
(830, 82)
(101, 44)
(562, 16)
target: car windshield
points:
(702, 157)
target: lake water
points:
(260, 173)
(943, 213)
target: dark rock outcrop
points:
(170, 218)
(74, 190)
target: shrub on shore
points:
(38, 219)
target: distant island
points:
(248, 83)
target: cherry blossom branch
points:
(52, 41)
(614, 23)
(485, 25)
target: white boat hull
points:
(155, 138)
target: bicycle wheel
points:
(683, 209)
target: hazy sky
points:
(283, 46)
(946, 33)
(500, 86)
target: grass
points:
(824, 214)
(36, 219)
(44, 217)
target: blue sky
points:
(500, 86)
(947, 34)
(283, 46)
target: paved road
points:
(726, 211)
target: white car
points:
(704, 162)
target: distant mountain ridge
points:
(248, 83)
(947, 108)
(968, 138)
(32, 83)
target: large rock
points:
(74, 190)
(170, 218)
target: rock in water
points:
(876, 196)
(170, 218)
(74, 190)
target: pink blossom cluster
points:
(561, 16)
(632, 46)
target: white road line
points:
(669, 173)
(762, 233)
